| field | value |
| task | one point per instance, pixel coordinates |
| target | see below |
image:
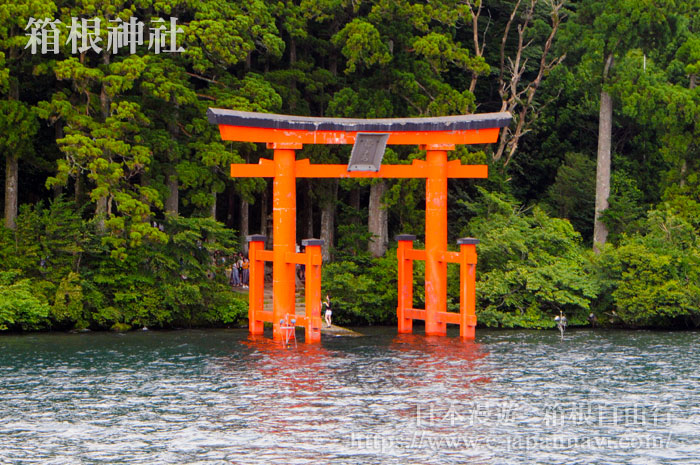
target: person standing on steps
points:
(235, 280)
(245, 266)
(328, 312)
(239, 269)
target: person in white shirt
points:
(328, 312)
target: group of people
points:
(238, 272)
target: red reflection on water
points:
(293, 385)
(442, 346)
(441, 372)
(291, 382)
(439, 357)
(295, 369)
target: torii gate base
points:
(311, 321)
(435, 320)
(285, 134)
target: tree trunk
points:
(172, 202)
(478, 48)
(517, 94)
(684, 173)
(378, 220)
(306, 210)
(57, 191)
(244, 224)
(263, 212)
(11, 183)
(79, 189)
(58, 132)
(602, 180)
(11, 172)
(292, 51)
(231, 206)
(333, 55)
(355, 204)
(105, 103)
(684, 166)
(212, 211)
(101, 213)
(328, 221)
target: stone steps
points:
(300, 309)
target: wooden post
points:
(313, 289)
(405, 282)
(256, 289)
(435, 239)
(284, 220)
(467, 287)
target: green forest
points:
(119, 211)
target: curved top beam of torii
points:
(244, 126)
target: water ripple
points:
(210, 397)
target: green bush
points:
(228, 309)
(21, 306)
(530, 268)
(653, 279)
(68, 302)
(59, 272)
(180, 283)
(363, 292)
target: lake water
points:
(210, 397)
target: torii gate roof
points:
(245, 126)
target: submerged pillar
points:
(467, 287)
(313, 297)
(256, 287)
(405, 282)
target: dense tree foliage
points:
(531, 266)
(60, 274)
(119, 211)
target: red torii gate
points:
(285, 134)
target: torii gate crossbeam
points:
(285, 134)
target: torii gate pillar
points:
(435, 240)
(285, 134)
(284, 234)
